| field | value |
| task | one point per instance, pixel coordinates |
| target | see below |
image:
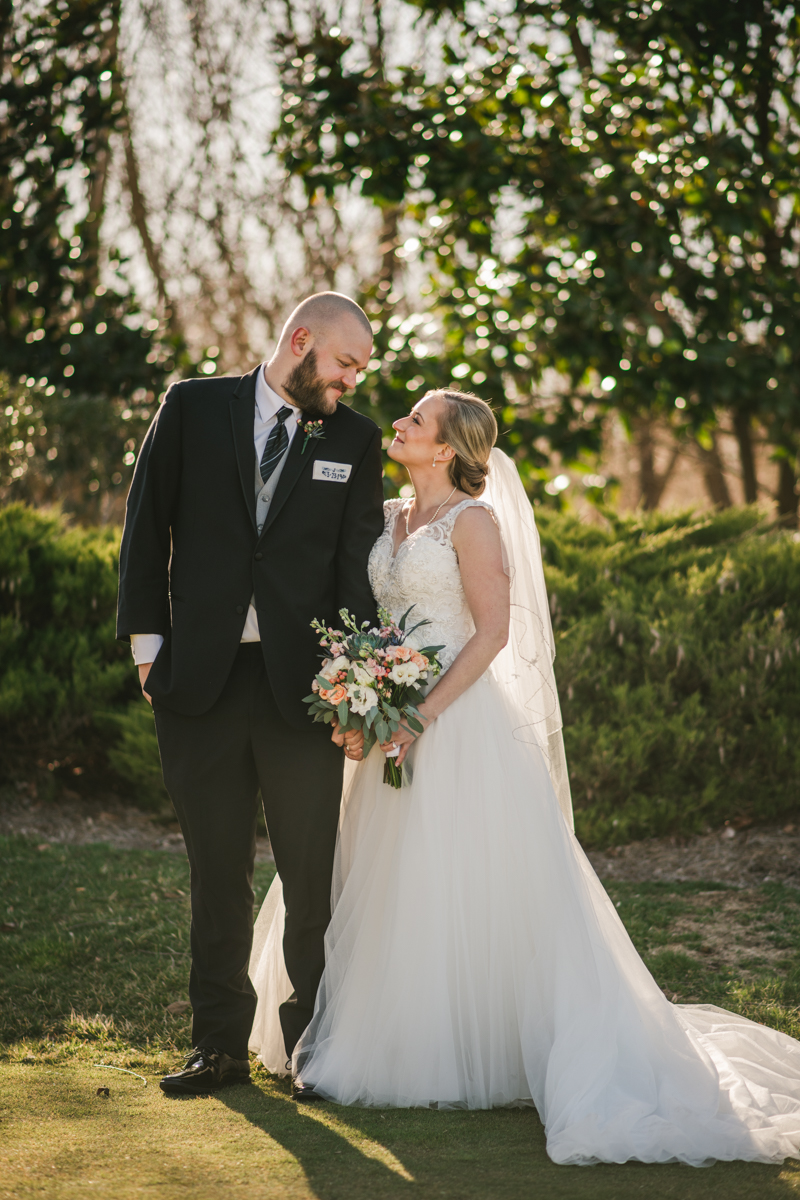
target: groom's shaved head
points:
(324, 345)
(320, 312)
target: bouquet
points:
(371, 680)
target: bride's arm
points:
(480, 558)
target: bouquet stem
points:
(392, 774)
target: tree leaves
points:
(60, 104)
(653, 193)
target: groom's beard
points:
(307, 389)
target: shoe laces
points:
(201, 1052)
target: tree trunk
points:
(100, 158)
(376, 51)
(787, 496)
(140, 218)
(713, 475)
(388, 244)
(742, 429)
(582, 56)
(651, 484)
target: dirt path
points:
(763, 854)
(77, 821)
(745, 858)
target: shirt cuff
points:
(145, 647)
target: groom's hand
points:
(144, 671)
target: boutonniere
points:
(312, 429)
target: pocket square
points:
(332, 472)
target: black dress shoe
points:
(207, 1070)
(303, 1093)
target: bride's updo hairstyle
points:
(468, 426)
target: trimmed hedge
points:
(678, 651)
(678, 647)
(59, 661)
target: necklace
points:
(435, 515)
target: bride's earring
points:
(434, 462)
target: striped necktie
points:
(276, 445)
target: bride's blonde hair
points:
(468, 425)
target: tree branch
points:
(582, 55)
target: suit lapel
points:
(242, 420)
(296, 463)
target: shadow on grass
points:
(335, 1162)
(381, 1154)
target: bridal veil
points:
(524, 668)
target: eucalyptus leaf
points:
(413, 628)
(401, 624)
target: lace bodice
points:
(425, 573)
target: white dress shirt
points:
(145, 646)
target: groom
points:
(244, 522)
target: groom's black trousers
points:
(214, 765)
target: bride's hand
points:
(404, 739)
(351, 739)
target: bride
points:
(473, 959)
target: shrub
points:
(678, 639)
(133, 753)
(678, 643)
(59, 661)
(69, 447)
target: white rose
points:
(363, 674)
(361, 698)
(332, 666)
(404, 672)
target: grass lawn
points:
(93, 949)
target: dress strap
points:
(391, 510)
(449, 519)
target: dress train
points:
(474, 961)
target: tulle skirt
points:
(475, 961)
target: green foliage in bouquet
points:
(361, 695)
(678, 646)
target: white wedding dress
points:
(474, 959)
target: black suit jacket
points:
(191, 556)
